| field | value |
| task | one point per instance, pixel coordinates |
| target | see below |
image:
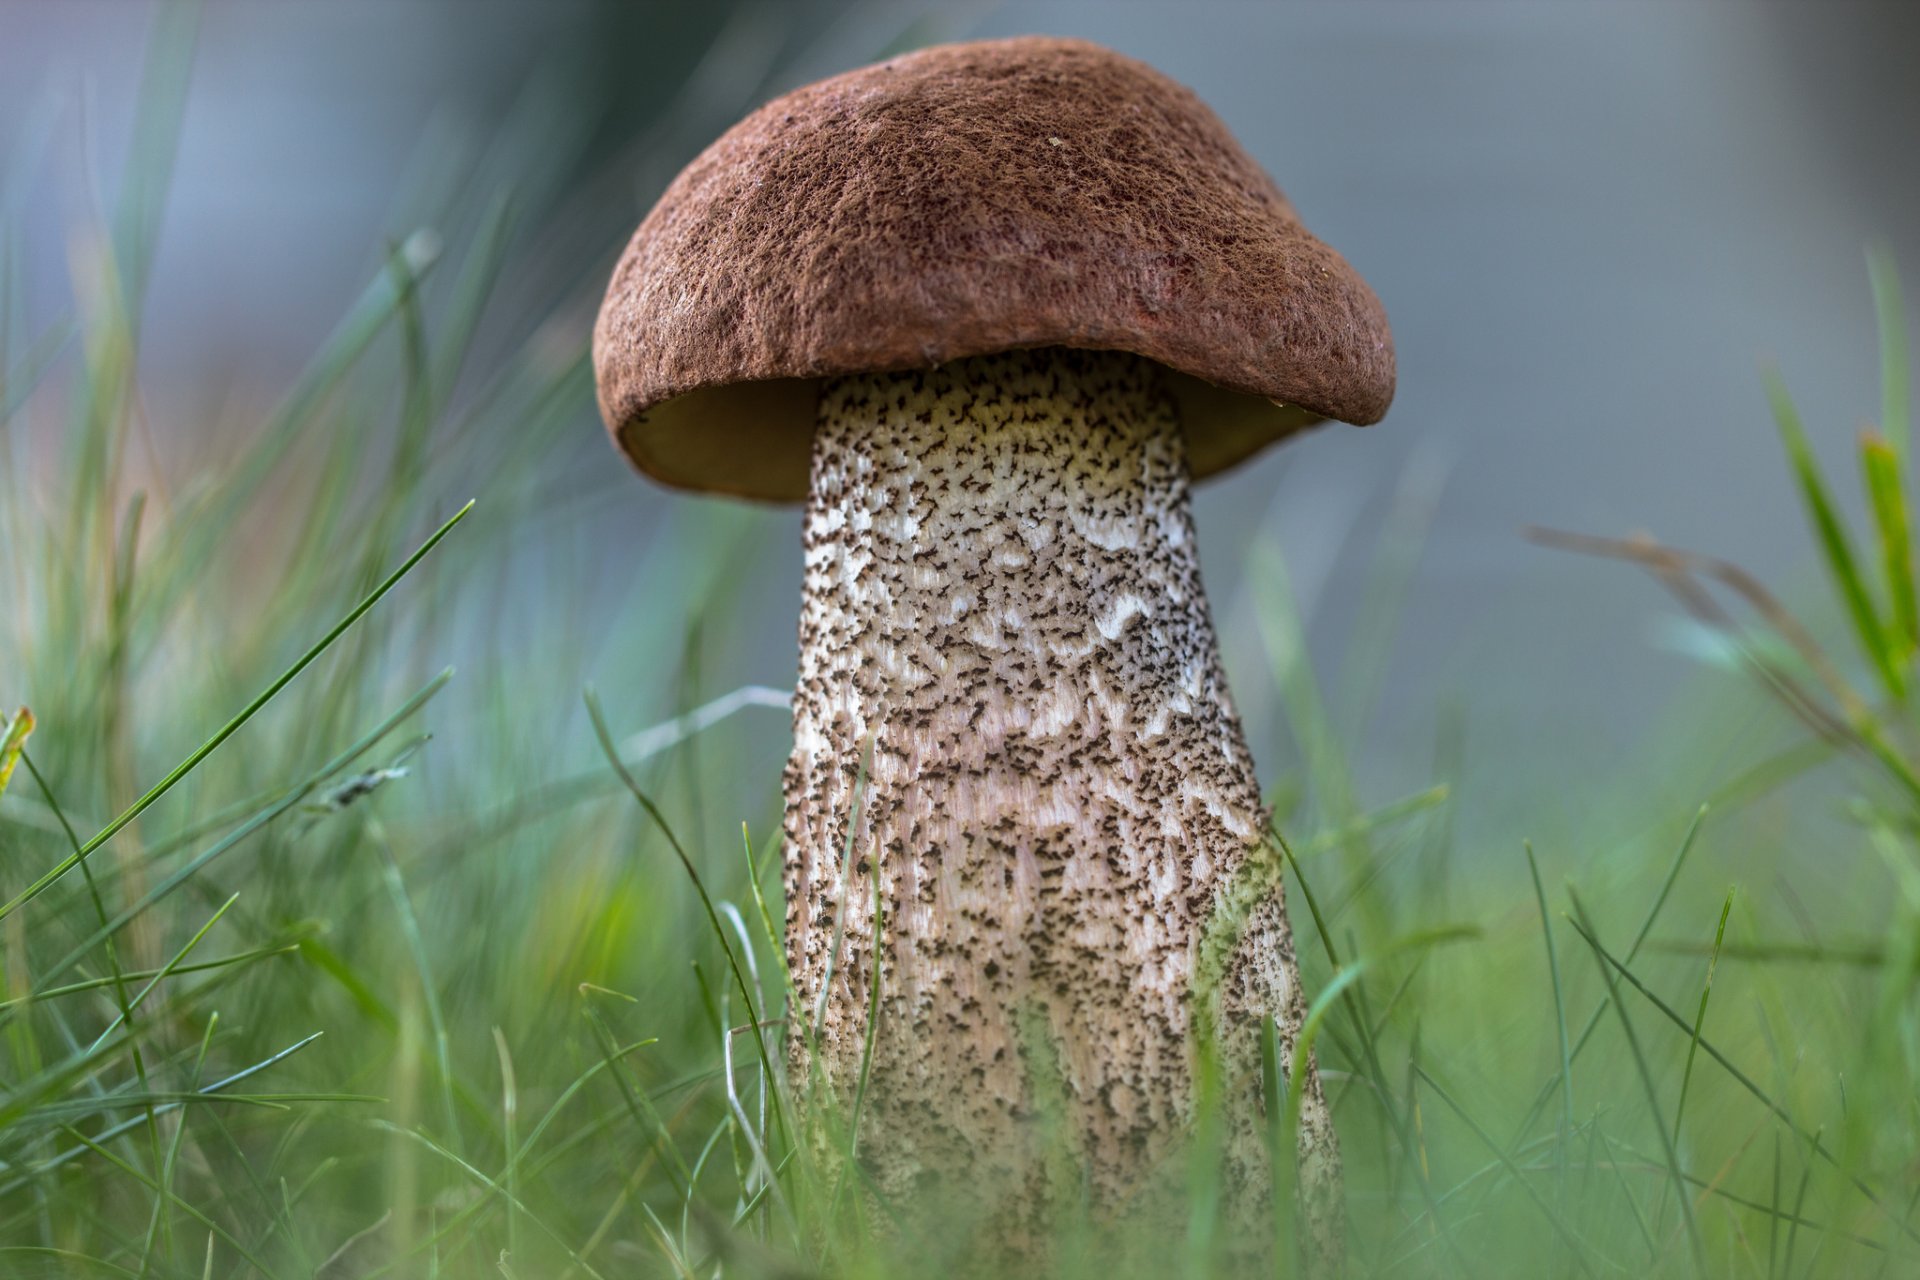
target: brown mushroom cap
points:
(960, 201)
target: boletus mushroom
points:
(987, 309)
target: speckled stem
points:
(1003, 604)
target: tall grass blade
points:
(1842, 565)
(1284, 636)
(1700, 1018)
(417, 952)
(605, 738)
(155, 144)
(509, 1125)
(1559, 1007)
(1887, 497)
(136, 975)
(162, 1220)
(475, 285)
(1891, 316)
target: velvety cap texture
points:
(959, 201)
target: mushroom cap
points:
(959, 201)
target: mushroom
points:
(987, 309)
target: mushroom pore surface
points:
(1002, 602)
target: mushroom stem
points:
(1002, 605)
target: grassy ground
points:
(321, 959)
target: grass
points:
(323, 957)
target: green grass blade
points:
(1888, 499)
(475, 285)
(417, 953)
(162, 1220)
(331, 963)
(82, 1108)
(1693, 1046)
(510, 1128)
(1842, 565)
(203, 966)
(638, 1104)
(1799, 1204)
(775, 939)
(71, 1258)
(567, 1095)
(1283, 633)
(1700, 1018)
(1626, 1194)
(1559, 1005)
(1863, 956)
(13, 738)
(1892, 323)
(645, 801)
(1709, 1187)
(1369, 1061)
(1774, 1211)
(125, 1015)
(119, 986)
(155, 144)
(201, 1216)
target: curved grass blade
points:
(706, 901)
(162, 1219)
(1559, 1012)
(139, 975)
(1880, 466)
(416, 944)
(1700, 1019)
(1835, 545)
(1892, 323)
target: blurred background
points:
(1588, 221)
(1591, 223)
